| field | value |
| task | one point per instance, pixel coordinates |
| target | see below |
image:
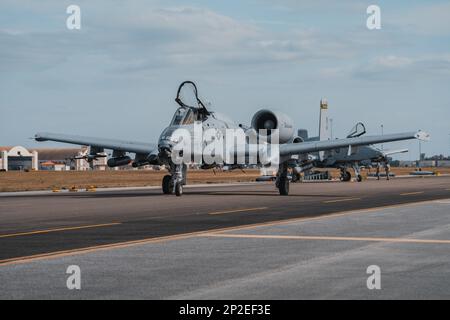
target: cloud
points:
(431, 19)
(392, 67)
(392, 61)
(137, 39)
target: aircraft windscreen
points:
(187, 95)
(183, 116)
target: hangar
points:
(18, 158)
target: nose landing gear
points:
(167, 186)
(174, 182)
(178, 189)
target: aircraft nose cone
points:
(164, 145)
(165, 141)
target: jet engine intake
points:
(271, 120)
(297, 139)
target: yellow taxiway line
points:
(58, 229)
(72, 252)
(411, 193)
(238, 210)
(342, 200)
(258, 236)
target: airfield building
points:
(61, 159)
(18, 158)
(53, 159)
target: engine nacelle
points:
(119, 161)
(270, 120)
(297, 139)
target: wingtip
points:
(423, 136)
(38, 137)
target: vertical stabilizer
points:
(324, 124)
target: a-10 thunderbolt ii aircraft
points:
(343, 158)
(193, 113)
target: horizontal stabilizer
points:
(423, 136)
(391, 152)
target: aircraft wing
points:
(119, 145)
(314, 146)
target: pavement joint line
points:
(79, 251)
(443, 201)
(329, 238)
(411, 193)
(125, 189)
(237, 210)
(58, 229)
(342, 200)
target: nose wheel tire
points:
(283, 186)
(167, 184)
(178, 189)
(359, 178)
(295, 177)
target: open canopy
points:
(187, 98)
(357, 131)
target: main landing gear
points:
(282, 182)
(346, 176)
(357, 170)
(174, 182)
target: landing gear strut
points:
(357, 170)
(296, 177)
(282, 182)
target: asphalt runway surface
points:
(330, 256)
(37, 225)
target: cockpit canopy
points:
(187, 95)
(357, 131)
(183, 116)
(191, 107)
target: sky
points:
(117, 76)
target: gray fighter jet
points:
(345, 158)
(193, 112)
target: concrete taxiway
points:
(240, 241)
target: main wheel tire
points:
(167, 184)
(359, 178)
(346, 176)
(283, 186)
(179, 189)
